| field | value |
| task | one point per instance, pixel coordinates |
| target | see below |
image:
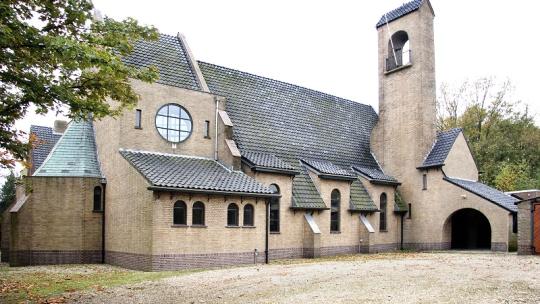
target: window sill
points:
(275, 232)
(138, 128)
(207, 137)
(198, 226)
(386, 230)
(335, 232)
(249, 227)
(179, 226)
(399, 68)
(97, 211)
(232, 227)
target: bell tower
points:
(405, 130)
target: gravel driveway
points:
(441, 277)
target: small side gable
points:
(460, 162)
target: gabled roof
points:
(194, 174)
(360, 199)
(440, 149)
(46, 139)
(376, 175)
(74, 155)
(493, 195)
(266, 162)
(304, 192)
(399, 12)
(169, 56)
(326, 169)
(293, 122)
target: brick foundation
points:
(426, 246)
(129, 260)
(53, 257)
(525, 250)
(338, 250)
(499, 246)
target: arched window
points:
(335, 202)
(180, 213)
(232, 215)
(198, 214)
(98, 199)
(383, 212)
(399, 52)
(249, 213)
(274, 209)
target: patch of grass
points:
(46, 284)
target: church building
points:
(217, 166)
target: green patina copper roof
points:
(399, 203)
(304, 193)
(360, 199)
(74, 155)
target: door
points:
(536, 228)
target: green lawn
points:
(46, 284)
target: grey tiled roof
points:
(442, 146)
(375, 175)
(400, 11)
(266, 160)
(46, 140)
(360, 199)
(399, 204)
(169, 56)
(493, 195)
(327, 167)
(304, 193)
(74, 155)
(293, 122)
(185, 172)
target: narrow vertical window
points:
(335, 202)
(409, 215)
(207, 129)
(424, 181)
(232, 215)
(248, 215)
(138, 115)
(180, 213)
(198, 214)
(274, 210)
(98, 206)
(382, 213)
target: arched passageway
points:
(470, 229)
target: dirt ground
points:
(445, 277)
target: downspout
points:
(104, 186)
(216, 129)
(401, 243)
(267, 231)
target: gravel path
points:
(444, 277)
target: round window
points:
(173, 123)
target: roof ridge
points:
(165, 154)
(286, 83)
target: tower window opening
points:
(399, 51)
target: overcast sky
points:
(331, 46)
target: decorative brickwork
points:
(51, 257)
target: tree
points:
(54, 55)
(502, 135)
(7, 194)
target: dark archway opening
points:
(470, 230)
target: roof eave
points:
(309, 208)
(209, 191)
(336, 177)
(430, 166)
(264, 169)
(384, 182)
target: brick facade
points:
(53, 257)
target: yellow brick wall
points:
(459, 162)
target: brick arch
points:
(467, 228)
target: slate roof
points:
(326, 167)
(440, 149)
(376, 175)
(169, 56)
(360, 199)
(191, 173)
(401, 11)
(304, 192)
(265, 160)
(74, 155)
(46, 139)
(493, 195)
(293, 122)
